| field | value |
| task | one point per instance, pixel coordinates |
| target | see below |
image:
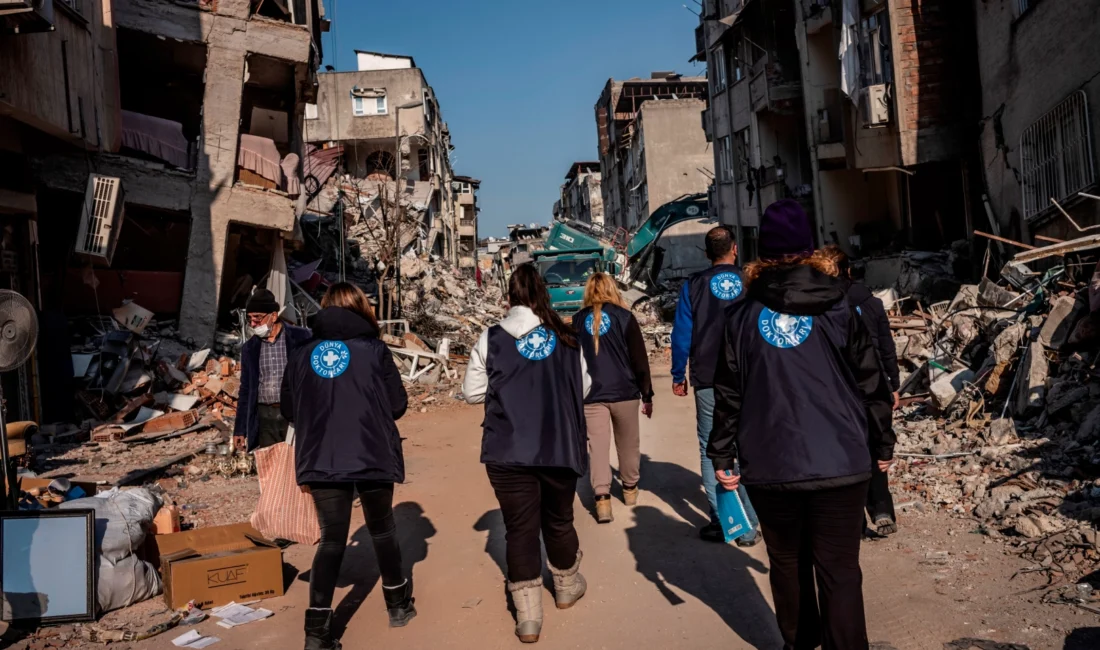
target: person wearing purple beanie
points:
(803, 407)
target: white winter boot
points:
(569, 584)
(527, 597)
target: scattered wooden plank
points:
(139, 475)
(1005, 240)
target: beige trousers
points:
(601, 418)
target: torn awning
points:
(718, 28)
(321, 163)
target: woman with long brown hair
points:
(802, 405)
(531, 375)
(343, 392)
(619, 365)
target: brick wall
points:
(935, 80)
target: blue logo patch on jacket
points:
(783, 330)
(858, 310)
(538, 344)
(726, 286)
(605, 323)
(330, 359)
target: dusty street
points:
(652, 583)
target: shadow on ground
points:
(670, 555)
(360, 567)
(1083, 638)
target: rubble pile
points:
(1000, 415)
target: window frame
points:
(742, 146)
(1047, 148)
(361, 108)
(725, 159)
(720, 80)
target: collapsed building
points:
(395, 145)
(164, 141)
(581, 195)
(651, 145)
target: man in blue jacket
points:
(697, 336)
(259, 423)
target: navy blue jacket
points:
(343, 392)
(247, 422)
(873, 313)
(700, 315)
(800, 399)
(620, 371)
(534, 403)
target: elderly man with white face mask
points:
(259, 423)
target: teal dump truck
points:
(566, 272)
(574, 251)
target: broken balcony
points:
(773, 88)
(161, 87)
(270, 142)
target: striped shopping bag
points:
(285, 510)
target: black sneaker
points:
(712, 532)
(746, 541)
(886, 525)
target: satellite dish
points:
(18, 330)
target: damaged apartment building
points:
(395, 154)
(581, 195)
(150, 152)
(862, 110)
(1040, 85)
(179, 166)
(652, 146)
(465, 190)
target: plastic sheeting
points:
(122, 520)
(849, 48)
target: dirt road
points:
(652, 582)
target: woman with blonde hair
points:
(619, 365)
(343, 393)
(802, 404)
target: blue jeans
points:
(704, 422)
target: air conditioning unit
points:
(874, 105)
(101, 220)
(26, 16)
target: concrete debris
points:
(1007, 432)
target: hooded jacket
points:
(800, 399)
(620, 370)
(343, 393)
(700, 314)
(873, 313)
(533, 387)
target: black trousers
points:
(272, 426)
(334, 501)
(815, 533)
(534, 500)
(879, 500)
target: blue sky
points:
(518, 80)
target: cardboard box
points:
(215, 566)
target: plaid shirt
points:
(272, 367)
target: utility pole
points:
(399, 213)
